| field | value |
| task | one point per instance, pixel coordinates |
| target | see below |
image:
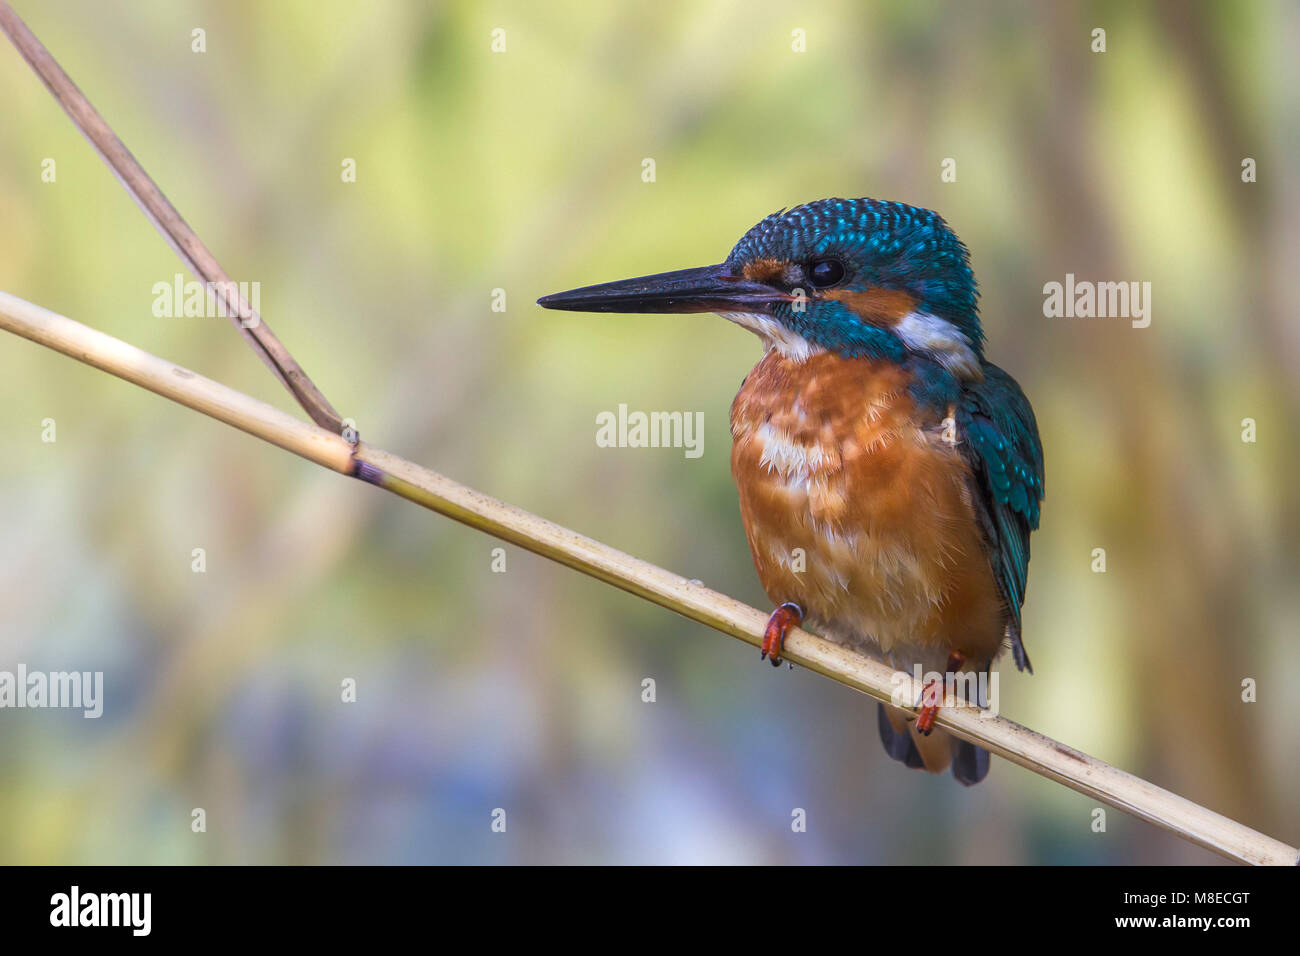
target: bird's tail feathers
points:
(935, 753)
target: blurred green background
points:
(522, 171)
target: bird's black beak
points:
(706, 289)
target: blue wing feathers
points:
(1006, 454)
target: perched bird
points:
(889, 475)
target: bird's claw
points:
(929, 709)
(788, 615)
(932, 696)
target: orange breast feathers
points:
(858, 508)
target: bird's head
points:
(859, 277)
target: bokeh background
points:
(522, 171)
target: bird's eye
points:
(825, 272)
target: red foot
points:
(932, 696)
(783, 618)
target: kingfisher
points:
(889, 475)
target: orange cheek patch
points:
(764, 270)
(875, 305)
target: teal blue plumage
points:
(1001, 439)
(889, 245)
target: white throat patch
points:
(788, 343)
(919, 331)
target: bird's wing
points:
(1000, 438)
